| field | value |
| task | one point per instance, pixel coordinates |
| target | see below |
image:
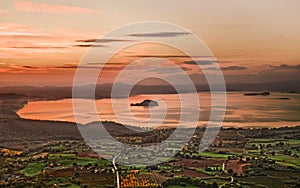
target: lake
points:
(275, 110)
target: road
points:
(116, 170)
(231, 177)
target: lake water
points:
(242, 111)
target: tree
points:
(262, 152)
(220, 143)
(214, 185)
(273, 153)
(76, 175)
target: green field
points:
(33, 169)
(62, 155)
(272, 141)
(214, 155)
(286, 159)
(268, 181)
(83, 161)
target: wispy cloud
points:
(97, 42)
(18, 69)
(166, 56)
(28, 6)
(234, 68)
(103, 40)
(15, 69)
(229, 68)
(201, 62)
(286, 67)
(160, 34)
(88, 45)
(39, 47)
(16, 30)
(74, 66)
(25, 39)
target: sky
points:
(42, 41)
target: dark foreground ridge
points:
(53, 154)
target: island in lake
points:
(254, 94)
(145, 103)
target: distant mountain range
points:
(104, 90)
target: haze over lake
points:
(276, 110)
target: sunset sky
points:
(42, 41)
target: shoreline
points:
(11, 104)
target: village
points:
(235, 158)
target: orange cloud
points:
(25, 41)
(28, 6)
(17, 69)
